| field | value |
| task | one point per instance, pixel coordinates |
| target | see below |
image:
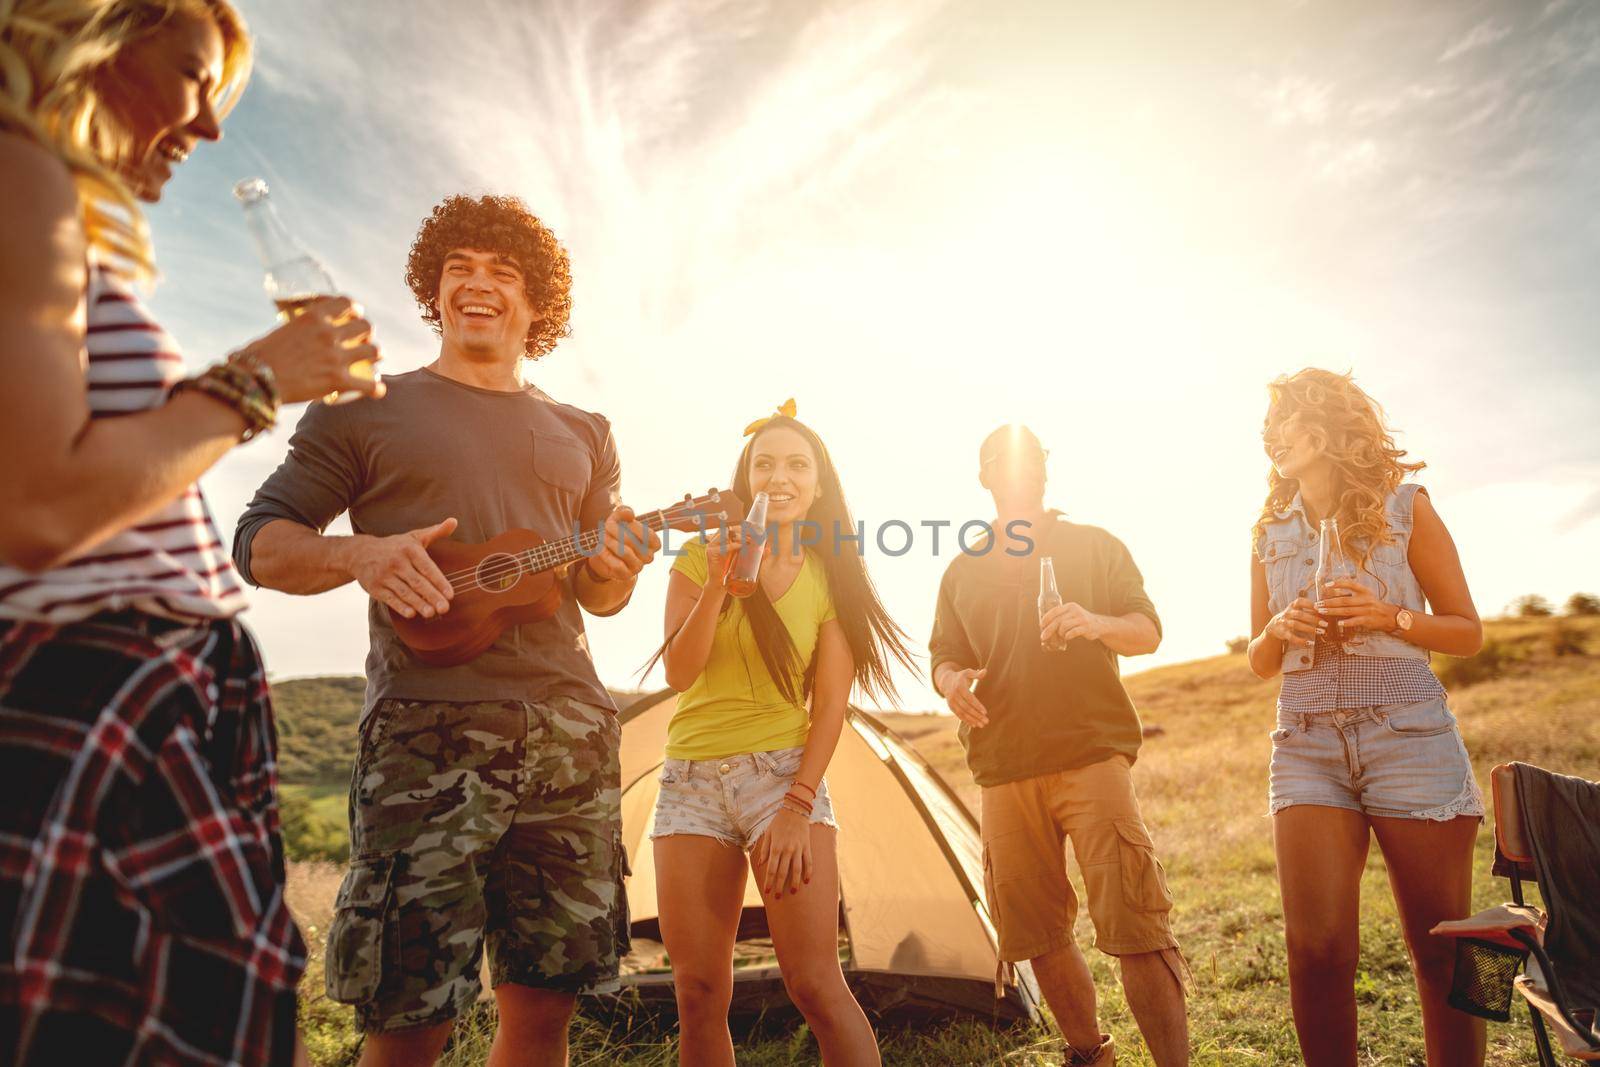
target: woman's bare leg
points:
(699, 890)
(805, 932)
(1430, 871)
(1321, 854)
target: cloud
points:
(1346, 163)
(1292, 100)
(1581, 515)
(1482, 35)
(1403, 102)
(1554, 7)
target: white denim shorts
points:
(1403, 761)
(734, 799)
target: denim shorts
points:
(1404, 761)
(734, 799)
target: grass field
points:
(326, 800)
(1535, 696)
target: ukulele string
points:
(533, 556)
(515, 563)
(542, 557)
(554, 554)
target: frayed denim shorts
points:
(1402, 761)
(734, 799)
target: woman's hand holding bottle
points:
(722, 548)
(1297, 625)
(311, 355)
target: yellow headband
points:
(785, 409)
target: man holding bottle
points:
(1051, 737)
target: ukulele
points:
(515, 578)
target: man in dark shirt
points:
(485, 796)
(1051, 736)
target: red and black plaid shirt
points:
(141, 870)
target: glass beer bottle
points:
(1049, 596)
(745, 569)
(1333, 564)
(294, 277)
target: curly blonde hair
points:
(1348, 428)
(51, 55)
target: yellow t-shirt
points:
(734, 706)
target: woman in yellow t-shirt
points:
(745, 759)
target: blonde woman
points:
(141, 871)
(1366, 744)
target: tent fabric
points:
(919, 938)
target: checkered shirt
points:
(1338, 680)
(141, 869)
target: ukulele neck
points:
(556, 554)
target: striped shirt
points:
(1338, 680)
(171, 564)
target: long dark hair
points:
(873, 636)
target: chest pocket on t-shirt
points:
(561, 463)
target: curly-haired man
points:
(484, 800)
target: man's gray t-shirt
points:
(433, 448)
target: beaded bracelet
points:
(262, 404)
(787, 806)
(264, 374)
(241, 390)
(802, 801)
(802, 785)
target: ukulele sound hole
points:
(498, 572)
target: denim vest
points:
(1287, 549)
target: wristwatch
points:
(1402, 621)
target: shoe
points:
(1102, 1055)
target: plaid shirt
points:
(141, 871)
(1338, 680)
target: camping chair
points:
(1492, 944)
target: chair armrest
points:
(1496, 925)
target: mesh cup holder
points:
(1483, 978)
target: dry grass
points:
(1203, 785)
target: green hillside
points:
(317, 727)
(1533, 694)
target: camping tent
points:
(916, 935)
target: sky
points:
(1114, 222)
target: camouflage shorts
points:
(491, 822)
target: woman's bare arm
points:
(1266, 651)
(830, 700)
(1453, 626)
(69, 482)
(691, 625)
(1296, 626)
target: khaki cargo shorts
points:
(1031, 900)
(494, 822)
